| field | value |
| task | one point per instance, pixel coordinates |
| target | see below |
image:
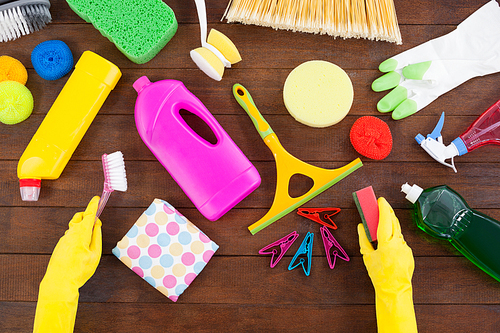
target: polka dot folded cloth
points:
(165, 249)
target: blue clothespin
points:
(330, 242)
(305, 249)
(283, 243)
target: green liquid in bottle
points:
(443, 213)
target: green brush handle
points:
(244, 98)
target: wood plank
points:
(285, 49)
(28, 230)
(266, 87)
(99, 317)
(111, 133)
(148, 180)
(233, 280)
(421, 12)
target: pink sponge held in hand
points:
(367, 205)
(371, 137)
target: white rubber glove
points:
(425, 72)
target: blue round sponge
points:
(52, 59)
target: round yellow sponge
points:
(318, 93)
(16, 102)
(12, 69)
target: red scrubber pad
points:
(371, 137)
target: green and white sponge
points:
(16, 102)
(138, 28)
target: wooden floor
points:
(238, 291)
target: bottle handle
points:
(196, 107)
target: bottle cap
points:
(141, 83)
(459, 143)
(412, 192)
(98, 67)
(30, 189)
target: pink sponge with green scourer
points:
(367, 205)
(138, 28)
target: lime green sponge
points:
(138, 28)
(16, 102)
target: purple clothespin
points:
(329, 241)
(284, 244)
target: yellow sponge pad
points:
(208, 62)
(318, 93)
(12, 69)
(225, 46)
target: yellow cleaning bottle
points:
(66, 123)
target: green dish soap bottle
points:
(443, 213)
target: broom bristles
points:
(369, 19)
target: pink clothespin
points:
(330, 242)
(283, 244)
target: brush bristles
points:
(370, 19)
(22, 20)
(114, 169)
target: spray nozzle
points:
(433, 145)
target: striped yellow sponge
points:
(318, 93)
(208, 60)
(12, 69)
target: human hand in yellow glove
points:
(390, 268)
(73, 261)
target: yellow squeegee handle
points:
(244, 98)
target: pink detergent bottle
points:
(215, 176)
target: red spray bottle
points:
(483, 131)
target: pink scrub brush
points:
(115, 178)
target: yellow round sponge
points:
(318, 93)
(12, 69)
(16, 102)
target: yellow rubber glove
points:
(73, 261)
(390, 268)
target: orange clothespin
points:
(314, 214)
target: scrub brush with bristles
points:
(115, 178)
(22, 17)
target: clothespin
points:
(305, 249)
(315, 213)
(284, 244)
(330, 242)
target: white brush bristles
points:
(21, 20)
(114, 168)
(370, 19)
